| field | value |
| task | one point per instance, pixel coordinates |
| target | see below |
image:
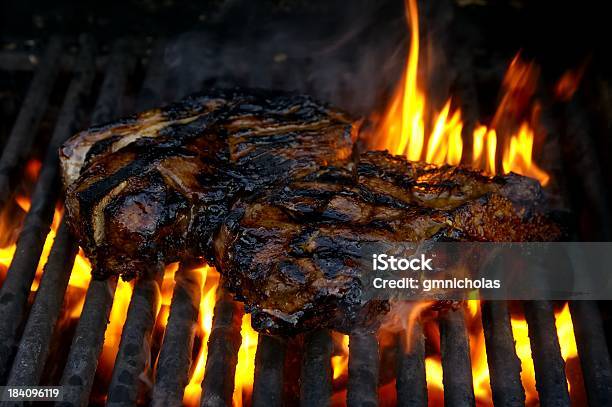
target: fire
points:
(167, 288)
(517, 157)
(81, 270)
(112, 336)
(567, 342)
(405, 128)
(478, 355)
(340, 360)
(210, 280)
(245, 369)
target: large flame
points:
(404, 128)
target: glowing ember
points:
(405, 130)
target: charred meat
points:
(266, 186)
(151, 189)
(292, 254)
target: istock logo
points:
(384, 262)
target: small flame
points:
(339, 361)
(517, 157)
(167, 288)
(112, 336)
(569, 82)
(210, 279)
(245, 369)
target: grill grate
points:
(23, 355)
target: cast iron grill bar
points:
(456, 362)
(504, 364)
(549, 366)
(172, 371)
(80, 369)
(590, 338)
(16, 288)
(363, 363)
(269, 371)
(134, 355)
(580, 151)
(593, 352)
(411, 383)
(316, 375)
(36, 339)
(223, 345)
(32, 110)
(120, 65)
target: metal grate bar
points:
(223, 345)
(456, 364)
(316, 378)
(593, 352)
(411, 383)
(88, 339)
(120, 65)
(269, 366)
(172, 372)
(151, 94)
(551, 382)
(504, 364)
(35, 343)
(16, 288)
(135, 347)
(363, 370)
(32, 110)
(80, 369)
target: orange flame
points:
(339, 361)
(567, 342)
(480, 369)
(245, 369)
(405, 130)
(210, 279)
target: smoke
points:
(349, 54)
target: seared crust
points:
(277, 171)
(153, 188)
(293, 255)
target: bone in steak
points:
(152, 188)
(294, 255)
(265, 185)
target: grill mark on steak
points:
(296, 255)
(266, 186)
(206, 149)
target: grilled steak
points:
(152, 188)
(265, 186)
(293, 254)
